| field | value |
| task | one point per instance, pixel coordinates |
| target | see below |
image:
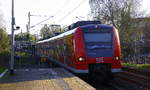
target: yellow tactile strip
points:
(57, 82)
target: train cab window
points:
(97, 37)
(98, 44)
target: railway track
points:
(96, 83)
(126, 80)
(135, 78)
(137, 71)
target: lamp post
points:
(12, 38)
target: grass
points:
(2, 69)
(139, 66)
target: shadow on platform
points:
(22, 75)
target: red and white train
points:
(86, 48)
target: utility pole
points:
(28, 25)
(12, 40)
(29, 22)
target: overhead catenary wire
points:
(70, 12)
(59, 10)
(74, 9)
(42, 21)
(64, 4)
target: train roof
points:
(90, 26)
(93, 26)
(82, 23)
(59, 36)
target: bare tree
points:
(115, 12)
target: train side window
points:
(65, 46)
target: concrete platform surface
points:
(43, 79)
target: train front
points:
(97, 49)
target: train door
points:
(65, 54)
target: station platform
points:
(43, 79)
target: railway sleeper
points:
(100, 72)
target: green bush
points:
(2, 69)
(4, 59)
(4, 48)
(139, 66)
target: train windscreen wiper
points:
(99, 47)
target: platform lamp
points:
(13, 28)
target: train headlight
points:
(81, 59)
(116, 58)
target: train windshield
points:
(98, 44)
(97, 37)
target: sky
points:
(64, 12)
